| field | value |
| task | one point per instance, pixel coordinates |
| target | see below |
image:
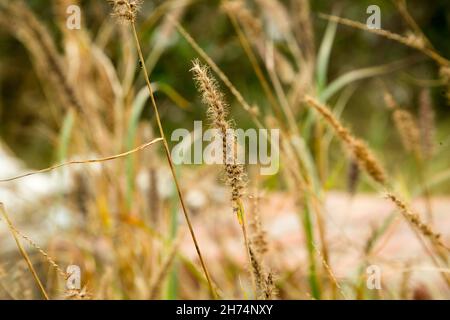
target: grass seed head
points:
(408, 130)
(358, 148)
(415, 219)
(125, 10)
(217, 112)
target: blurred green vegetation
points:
(26, 124)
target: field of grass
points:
(96, 204)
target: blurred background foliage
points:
(28, 128)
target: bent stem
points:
(23, 252)
(169, 159)
(243, 223)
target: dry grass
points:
(217, 113)
(94, 93)
(408, 130)
(126, 12)
(414, 219)
(358, 148)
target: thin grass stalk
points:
(172, 283)
(255, 276)
(414, 218)
(114, 157)
(392, 36)
(309, 234)
(284, 104)
(169, 159)
(370, 164)
(28, 29)
(298, 156)
(253, 113)
(431, 251)
(403, 10)
(46, 256)
(426, 192)
(334, 282)
(254, 62)
(304, 27)
(213, 98)
(163, 272)
(360, 151)
(23, 252)
(305, 199)
(276, 11)
(427, 134)
(412, 139)
(126, 12)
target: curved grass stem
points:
(23, 252)
(169, 160)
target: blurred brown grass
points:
(109, 89)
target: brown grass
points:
(408, 130)
(125, 228)
(358, 148)
(414, 218)
(127, 10)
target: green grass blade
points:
(172, 283)
(137, 108)
(64, 137)
(324, 54)
(359, 74)
(309, 235)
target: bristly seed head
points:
(416, 221)
(125, 10)
(427, 124)
(361, 153)
(408, 130)
(217, 113)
